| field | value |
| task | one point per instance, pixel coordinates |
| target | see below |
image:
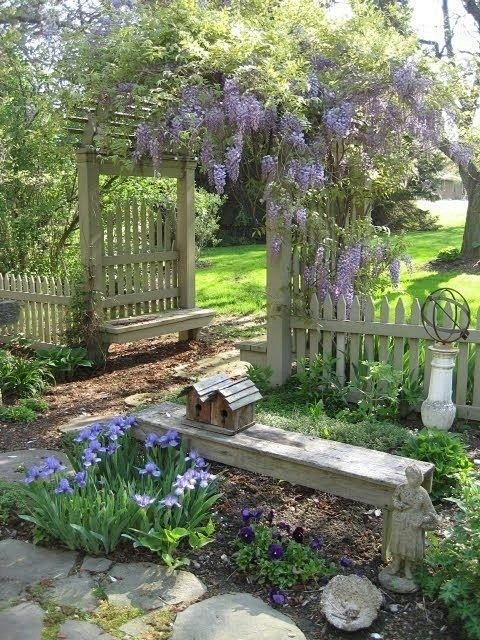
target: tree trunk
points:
(471, 234)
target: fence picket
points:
(384, 341)
(46, 312)
(314, 336)
(398, 343)
(462, 367)
(369, 316)
(340, 341)
(327, 342)
(476, 368)
(414, 343)
(121, 215)
(354, 340)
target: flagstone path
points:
(34, 578)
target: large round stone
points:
(234, 616)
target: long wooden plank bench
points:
(186, 322)
(344, 470)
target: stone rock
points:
(10, 591)
(28, 564)
(23, 622)
(137, 626)
(80, 422)
(13, 464)
(396, 583)
(226, 362)
(81, 630)
(351, 602)
(137, 399)
(151, 586)
(234, 616)
(74, 591)
(96, 565)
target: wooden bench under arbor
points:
(139, 258)
(344, 470)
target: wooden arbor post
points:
(279, 342)
(185, 241)
(91, 248)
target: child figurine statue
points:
(413, 514)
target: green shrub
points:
(316, 380)
(17, 413)
(277, 557)
(156, 496)
(378, 386)
(448, 255)
(38, 405)
(12, 499)
(448, 453)
(260, 376)
(64, 362)
(372, 434)
(451, 570)
(207, 219)
(21, 376)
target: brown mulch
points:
(462, 265)
(349, 529)
(145, 366)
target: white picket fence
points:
(43, 308)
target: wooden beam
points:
(185, 237)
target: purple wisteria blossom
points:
(143, 500)
(273, 209)
(276, 245)
(394, 269)
(408, 82)
(232, 163)
(170, 501)
(313, 86)
(301, 217)
(143, 136)
(292, 131)
(305, 175)
(219, 177)
(63, 487)
(339, 119)
(348, 265)
(269, 167)
(461, 153)
(150, 469)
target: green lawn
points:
(234, 281)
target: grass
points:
(234, 281)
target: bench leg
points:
(387, 530)
(191, 334)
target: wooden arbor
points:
(140, 261)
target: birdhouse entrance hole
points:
(224, 415)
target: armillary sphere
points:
(446, 315)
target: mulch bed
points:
(349, 529)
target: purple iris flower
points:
(170, 501)
(275, 551)
(150, 469)
(34, 473)
(143, 500)
(97, 446)
(317, 543)
(114, 431)
(128, 422)
(63, 487)
(346, 562)
(187, 482)
(169, 439)
(204, 478)
(247, 535)
(196, 458)
(111, 448)
(151, 440)
(51, 465)
(89, 457)
(89, 433)
(80, 479)
(277, 596)
(298, 534)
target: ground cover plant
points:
(157, 495)
(451, 570)
(278, 555)
(64, 362)
(448, 452)
(21, 376)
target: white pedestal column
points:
(438, 410)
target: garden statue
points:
(351, 602)
(413, 514)
(446, 318)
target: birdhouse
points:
(221, 404)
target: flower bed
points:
(158, 496)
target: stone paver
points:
(137, 626)
(28, 564)
(75, 424)
(74, 591)
(22, 622)
(234, 616)
(13, 464)
(96, 565)
(227, 362)
(11, 590)
(151, 586)
(81, 630)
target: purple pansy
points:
(345, 562)
(275, 551)
(277, 596)
(298, 534)
(317, 543)
(247, 534)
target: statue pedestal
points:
(438, 410)
(398, 584)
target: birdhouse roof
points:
(237, 393)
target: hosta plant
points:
(159, 495)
